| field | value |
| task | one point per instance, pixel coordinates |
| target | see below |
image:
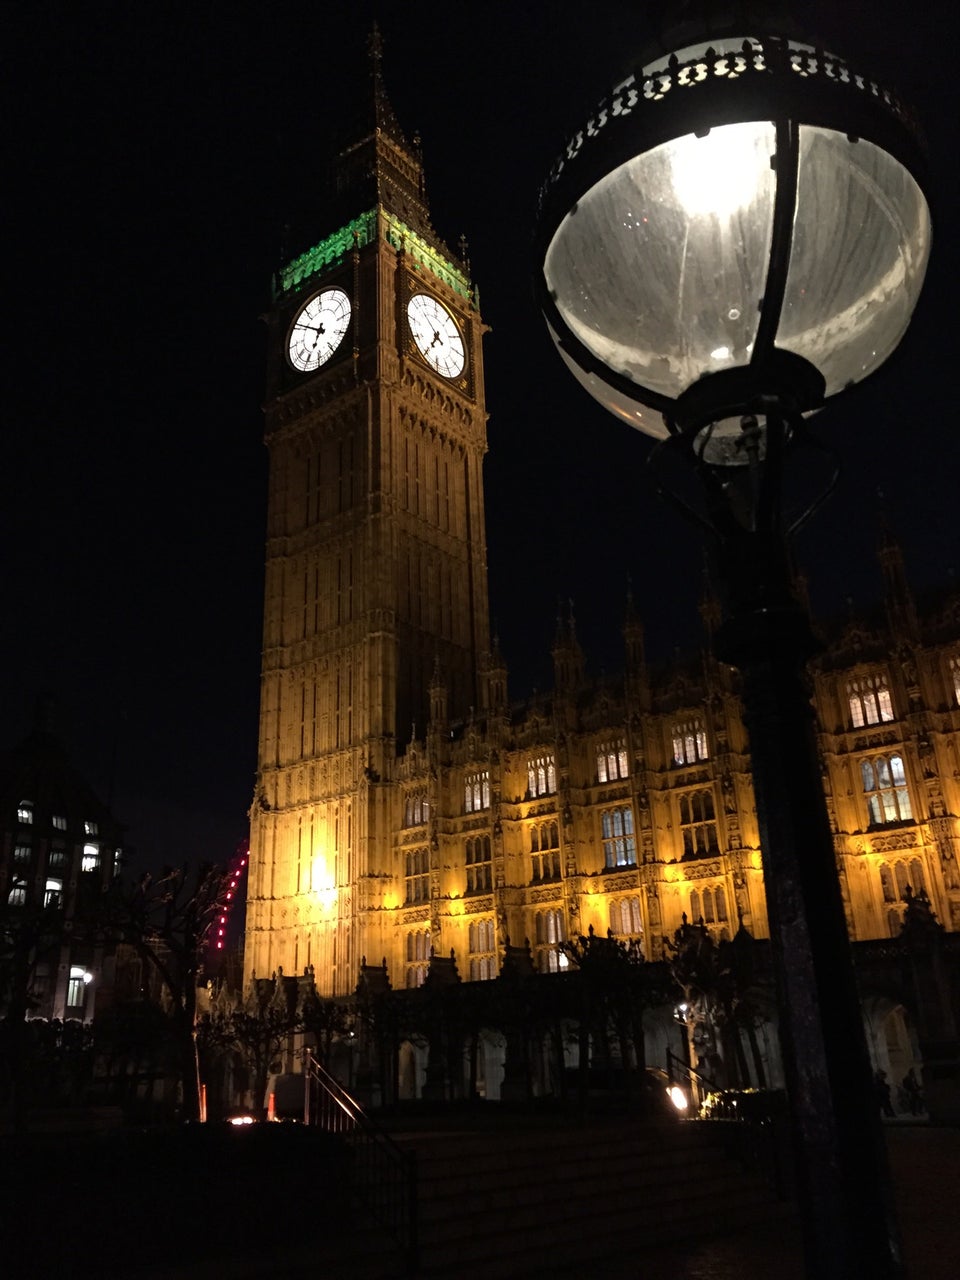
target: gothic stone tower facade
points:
(376, 556)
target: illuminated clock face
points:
(318, 330)
(435, 332)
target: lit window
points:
(17, 897)
(906, 874)
(885, 787)
(22, 852)
(689, 742)
(59, 823)
(25, 811)
(89, 828)
(708, 905)
(476, 792)
(117, 861)
(549, 934)
(417, 875)
(416, 810)
(76, 986)
(53, 892)
(483, 952)
(619, 843)
(698, 827)
(869, 700)
(886, 884)
(479, 865)
(955, 678)
(418, 957)
(612, 761)
(91, 857)
(545, 851)
(541, 776)
(625, 917)
(57, 860)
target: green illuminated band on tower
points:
(360, 232)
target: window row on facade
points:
(26, 816)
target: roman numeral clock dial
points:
(436, 334)
(318, 330)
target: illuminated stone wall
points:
(402, 806)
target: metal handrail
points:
(678, 1069)
(755, 1141)
(383, 1174)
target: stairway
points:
(543, 1202)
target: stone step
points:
(525, 1203)
(441, 1200)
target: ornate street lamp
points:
(737, 236)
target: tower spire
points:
(383, 113)
(901, 609)
(378, 166)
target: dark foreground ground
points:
(219, 1203)
(925, 1167)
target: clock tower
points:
(375, 557)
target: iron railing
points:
(753, 1123)
(681, 1072)
(383, 1176)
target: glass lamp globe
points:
(735, 221)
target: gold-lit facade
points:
(404, 807)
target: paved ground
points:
(925, 1165)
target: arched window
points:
(416, 810)
(689, 742)
(542, 776)
(886, 883)
(479, 865)
(482, 947)
(916, 876)
(955, 679)
(885, 787)
(545, 851)
(417, 875)
(698, 827)
(418, 956)
(625, 917)
(905, 874)
(476, 792)
(612, 761)
(869, 701)
(549, 932)
(710, 905)
(902, 874)
(619, 842)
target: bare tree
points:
(168, 920)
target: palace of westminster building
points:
(622, 806)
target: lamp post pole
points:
(737, 235)
(843, 1184)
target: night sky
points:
(157, 152)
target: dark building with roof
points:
(59, 848)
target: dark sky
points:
(156, 153)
